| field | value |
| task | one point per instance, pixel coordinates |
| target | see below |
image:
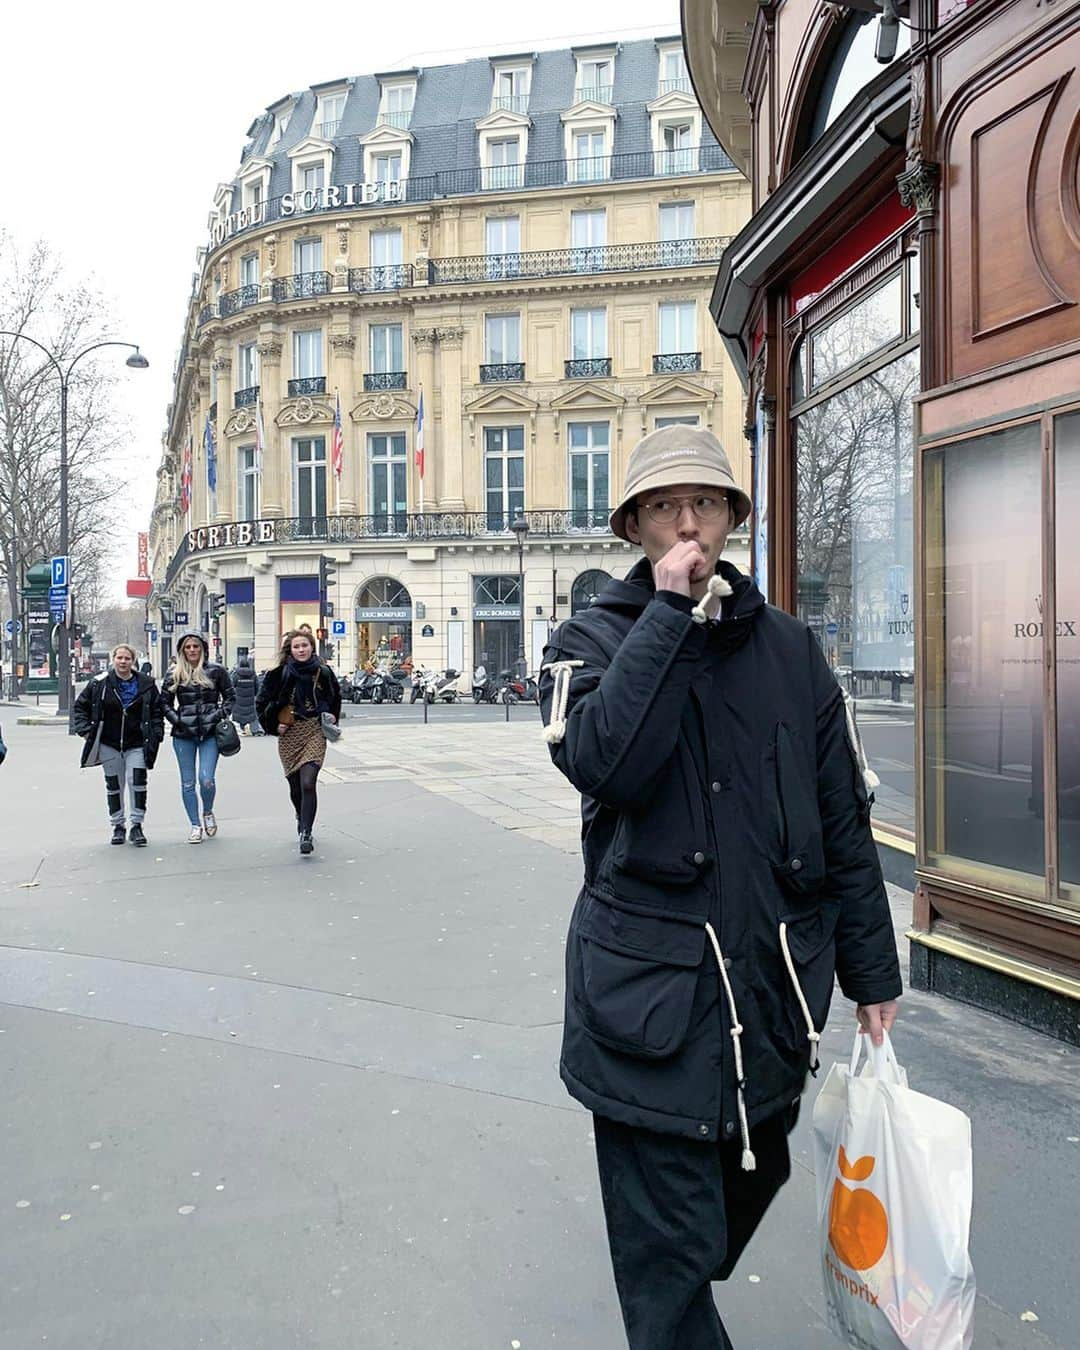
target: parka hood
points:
(198, 638)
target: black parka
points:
(194, 710)
(719, 785)
(277, 687)
(245, 684)
(140, 724)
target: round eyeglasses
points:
(705, 505)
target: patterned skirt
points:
(302, 743)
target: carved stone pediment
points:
(302, 411)
(677, 389)
(383, 407)
(240, 422)
(587, 395)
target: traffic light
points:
(327, 573)
(217, 606)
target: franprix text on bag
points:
(894, 1184)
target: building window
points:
(676, 233)
(502, 240)
(396, 107)
(678, 327)
(850, 67)
(253, 195)
(307, 355)
(676, 148)
(590, 445)
(281, 125)
(384, 254)
(504, 475)
(388, 482)
(249, 269)
(588, 161)
(386, 348)
(384, 613)
(307, 256)
(311, 177)
(588, 236)
(386, 166)
(586, 588)
(247, 483)
(330, 112)
(674, 76)
(247, 367)
(588, 333)
(595, 79)
(690, 420)
(502, 338)
(309, 481)
(511, 89)
(504, 169)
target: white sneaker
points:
(210, 824)
(195, 837)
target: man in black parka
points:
(730, 874)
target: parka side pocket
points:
(798, 857)
(632, 975)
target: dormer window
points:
(281, 123)
(511, 89)
(396, 105)
(310, 177)
(255, 189)
(674, 76)
(329, 113)
(595, 77)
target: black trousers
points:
(679, 1214)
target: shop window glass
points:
(1067, 546)
(857, 333)
(855, 546)
(850, 67)
(984, 697)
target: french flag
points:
(420, 435)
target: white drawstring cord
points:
(869, 777)
(749, 1162)
(811, 1035)
(561, 674)
(708, 607)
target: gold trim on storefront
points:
(1064, 985)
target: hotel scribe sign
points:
(336, 196)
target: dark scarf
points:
(307, 699)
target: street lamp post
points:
(137, 362)
(520, 526)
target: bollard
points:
(424, 702)
(506, 705)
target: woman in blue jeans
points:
(196, 694)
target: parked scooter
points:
(484, 688)
(515, 690)
(438, 686)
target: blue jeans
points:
(186, 752)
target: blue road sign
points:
(61, 570)
(337, 628)
(12, 626)
(832, 629)
(181, 616)
(58, 594)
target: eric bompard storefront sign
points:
(335, 196)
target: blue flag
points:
(211, 455)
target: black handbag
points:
(227, 737)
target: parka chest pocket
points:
(796, 846)
(632, 974)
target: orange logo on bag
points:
(858, 1224)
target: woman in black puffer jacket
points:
(196, 694)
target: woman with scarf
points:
(295, 697)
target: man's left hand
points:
(875, 1019)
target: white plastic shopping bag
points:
(894, 1209)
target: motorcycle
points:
(516, 690)
(386, 687)
(484, 688)
(437, 686)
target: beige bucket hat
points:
(674, 455)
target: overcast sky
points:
(130, 115)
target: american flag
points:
(260, 436)
(337, 440)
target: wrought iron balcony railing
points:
(682, 160)
(587, 367)
(302, 285)
(328, 130)
(309, 384)
(400, 119)
(496, 372)
(588, 169)
(518, 103)
(390, 277)
(593, 93)
(675, 363)
(244, 398)
(680, 85)
(567, 261)
(233, 301)
(207, 313)
(378, 380)
(408, 525)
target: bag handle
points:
(882, 1058)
